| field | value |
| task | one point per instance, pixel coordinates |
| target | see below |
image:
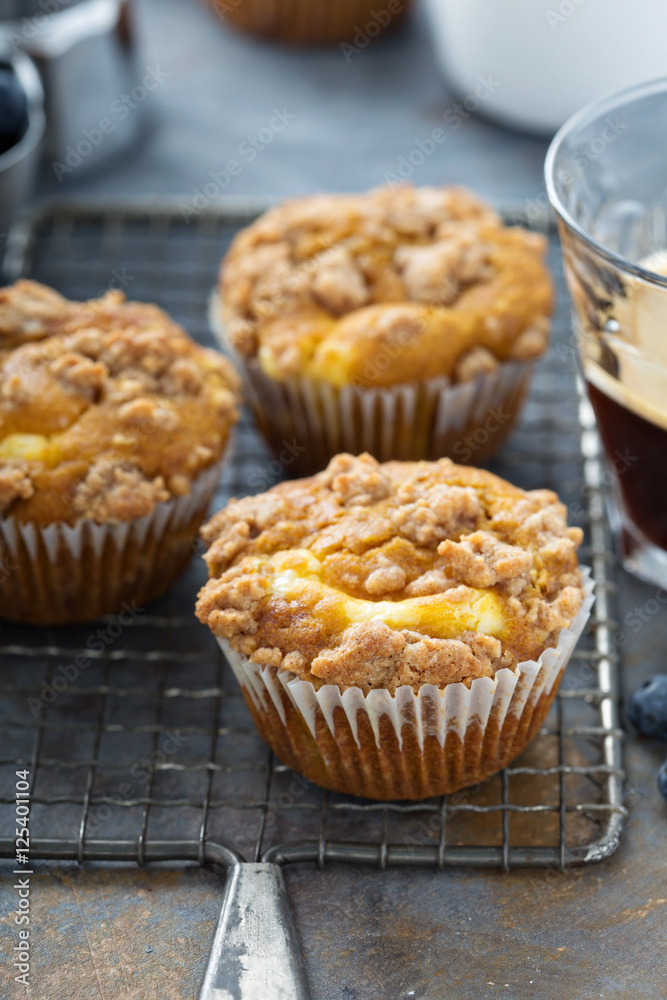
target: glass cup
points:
(606, 176)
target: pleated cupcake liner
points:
(424, 420)
(406, 745)
(313, 22)
(65, 573)
(431, 419)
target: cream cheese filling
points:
(298, 577)
(26, 447)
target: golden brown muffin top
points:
(382, 288)
(375, 575)
(107, 407)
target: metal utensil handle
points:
(255, 954)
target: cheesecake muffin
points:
(403, 322)
(308, 22)
(398, 630)
(113, 423)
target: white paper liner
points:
(43, 572)
(171, 513)
(428, 419)
(431, 711)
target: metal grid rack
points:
(142, 749)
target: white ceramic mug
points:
(548, 58)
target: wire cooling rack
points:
(137, 740)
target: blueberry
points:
(662, 780)
(647, 707)
(13, 109)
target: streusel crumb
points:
(107, 407)
(381, 288)
(377, 575)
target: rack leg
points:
(255, 954)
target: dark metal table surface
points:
(403, 933)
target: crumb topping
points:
(385, 287)
(106, 407)
(15, 483)
(119, 492)
(377, 575)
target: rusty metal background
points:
(147, 752)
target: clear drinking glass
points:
(606, 176)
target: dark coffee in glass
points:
(611, 205)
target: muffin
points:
(304, 22)
(403, 322)
(398, 630)
(113, 423)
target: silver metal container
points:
(18, 165)
(85, 53)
